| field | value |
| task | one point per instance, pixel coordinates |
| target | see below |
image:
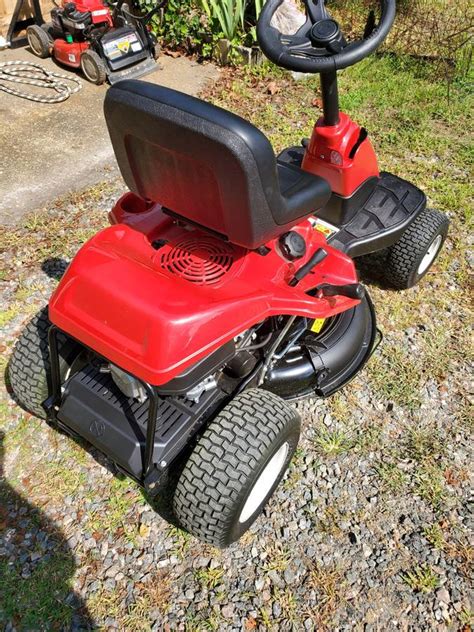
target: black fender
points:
(323, 363)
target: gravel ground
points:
(369, 530)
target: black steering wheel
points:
(319, 45)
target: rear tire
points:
(29, 369)
(415, 252)
(93, 67)
(39, 41)
(236, 466)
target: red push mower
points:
(107, 44)
(224, 288)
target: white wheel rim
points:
(88, 65)
(264, 483)
(430, 255)
(35, 44)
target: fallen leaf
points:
(272, 87)
(173, 53)
(144, 530)
(250, 624)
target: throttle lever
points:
(318, 256)
(355, 291)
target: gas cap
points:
(292, 245)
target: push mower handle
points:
(319, 46)
(144, 19)
(147, 17)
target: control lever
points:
(351, 290)
(305, 269)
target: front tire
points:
(236, 466)
(415, 252)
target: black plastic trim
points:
(327, 361)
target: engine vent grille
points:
(203, 262)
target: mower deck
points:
(142, 68)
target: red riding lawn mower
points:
(106, 44)
(224, 288)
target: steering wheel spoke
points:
(316, 10)
(299, 46)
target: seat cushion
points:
(302, 192)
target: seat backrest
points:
(202, 163)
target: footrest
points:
(391, 207)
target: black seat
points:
(206, 165)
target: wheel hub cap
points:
(430, 255)
(264, 483)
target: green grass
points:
(421, 579)
(37, 602)
(430, 485)
(391, 477)
(333, 442)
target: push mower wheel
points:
(235, 467)
(156, 51)
(29, 367)
(93, 67)
(413, 255)
(39, 41)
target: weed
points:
(9, 314)
(392, 478)
(466, 618)
(421, 579)
(329, 585)
(182, 541)
(339, 407)
(333, 442)
(106, 603)
(30, 601)
(424, 443)
(277, 559)
(209, 577)
(429, 484)
(435, 536)
(155, 593)
(289, 606)
(114, 518)
(395, 376)
(265, 617)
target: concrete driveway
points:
(47, 150)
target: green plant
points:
(228, 15)
(392, 478)
(421, 579)
(333, 442)
(435, 536)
